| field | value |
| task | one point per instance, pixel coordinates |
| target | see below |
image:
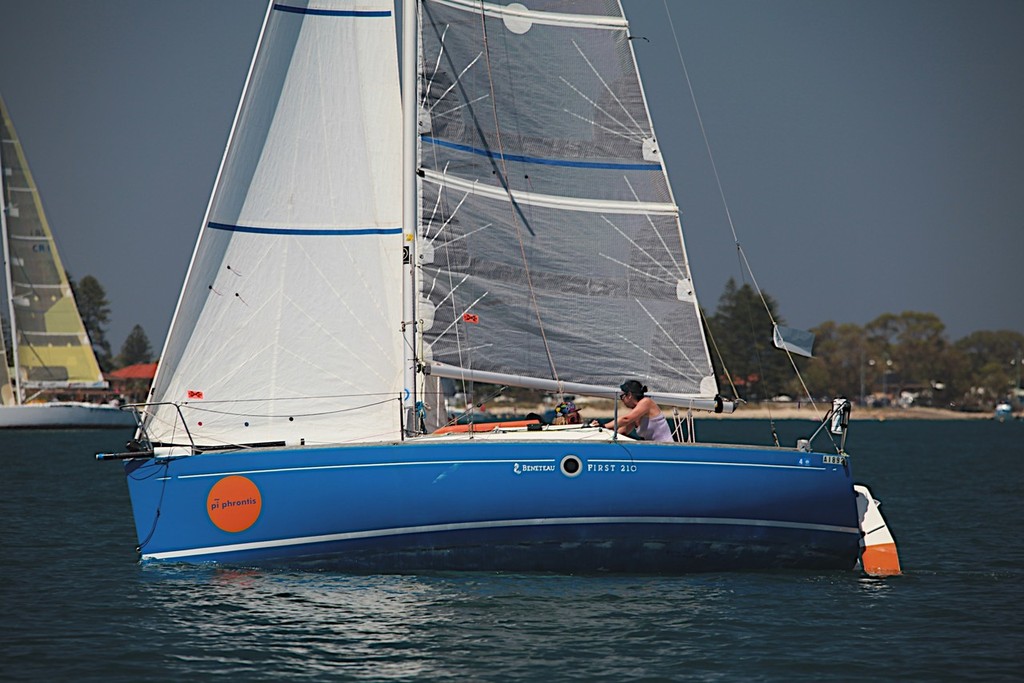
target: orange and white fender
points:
(878, 555)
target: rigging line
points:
(285, 398)
(746, 264)
(767, 308)
(512, 202)
(718, 180)
(700, 123)
(317, 414)
(800, 377)
(718, 352)
(711, 158)
(156, 515)
(757, 352)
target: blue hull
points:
(507, 506)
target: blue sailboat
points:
(514, 225)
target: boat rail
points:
(136, 449)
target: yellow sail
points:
(52, 349)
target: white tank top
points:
(655, 429)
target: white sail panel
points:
(288, 325)
(554, 247)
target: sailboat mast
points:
(409, 131)
(8, 282)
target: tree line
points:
(94, 309)
(893, 357)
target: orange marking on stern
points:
(881, 560)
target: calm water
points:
(74, 605)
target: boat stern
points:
(878, 548)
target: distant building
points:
(132, 381)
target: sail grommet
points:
(571, 466)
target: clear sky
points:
(871, 151)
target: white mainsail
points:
(550, 244)
(288, 326)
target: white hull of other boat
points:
(65, 415)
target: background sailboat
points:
(53, 360)
(531, 238)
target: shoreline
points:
(806, 412)
(779, 411)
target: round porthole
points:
(571, 466)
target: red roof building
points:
(132, 381)
(144, 371)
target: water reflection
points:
(294, 623)
(876, 587)
(423, 627)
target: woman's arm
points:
(630, 420)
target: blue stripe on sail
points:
(332, 12)
(289, 231)
(545, 162)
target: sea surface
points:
(76, 606)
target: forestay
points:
(288, 326)
(550, 244)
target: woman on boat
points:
(644, 414)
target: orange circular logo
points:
(234, 503)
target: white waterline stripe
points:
(460, 526)
(488, 462)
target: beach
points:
(768, 411)
(804, 411)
